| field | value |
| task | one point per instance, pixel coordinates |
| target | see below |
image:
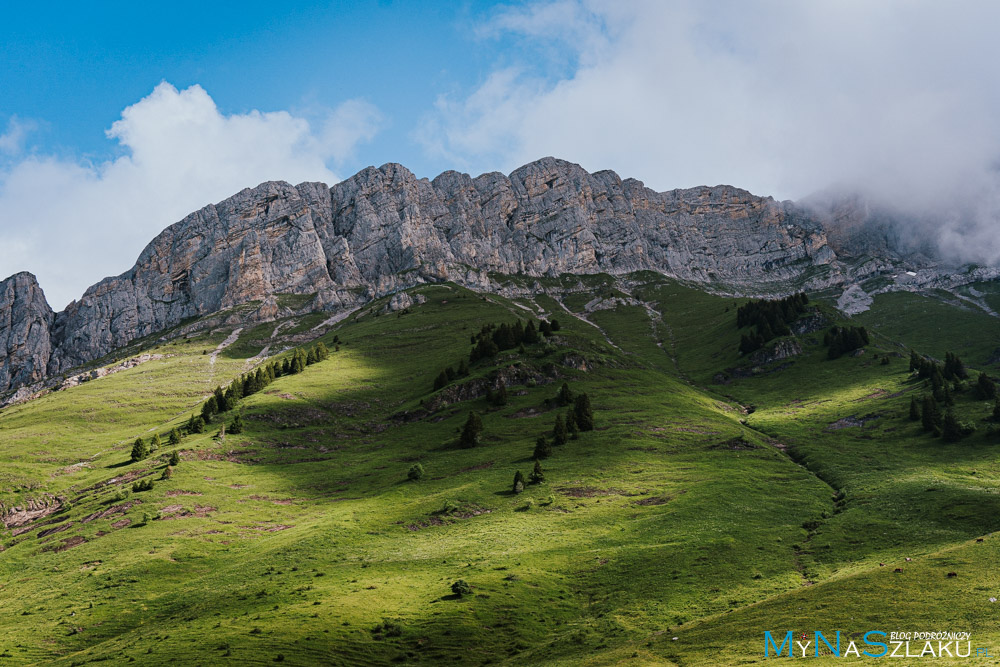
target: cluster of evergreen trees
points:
(946, 426)
(769, 319)
(945, 380)
(493, 338)
(449, 375)
(952, 369)
(579, 417)
(841, 340)
(948, 377)
(141, 449)
(224, 400)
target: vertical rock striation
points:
(25, 331)
(384, 229)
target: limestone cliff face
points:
(383, 229)
(25, 331)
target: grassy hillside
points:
(676, 532)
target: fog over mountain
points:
(895, 101)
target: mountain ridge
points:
(383, 230)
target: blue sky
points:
(119, 118)
(74, 69)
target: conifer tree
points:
(237, 426)
(298, 361)
(175, 437)
(311, 357)
(175, 458)
(554, 324)
(154, 443)
(571, 428)
(583, 413)
(209, 408)
(499, 397)
(220, 400)
(930, 416)
(530, 334)
(951, 430)
(914, 409)
(463, 368)
(565, 396)
(543, 449)
(953, 367)
(139, 450)
(560, 434)
(415, 472)
(537, 475)
(518, 482)
(986, 389)
(441, 381)
(471, 431)
(322, 353)
(545, 328)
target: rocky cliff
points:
(25, 331)
(383, 229)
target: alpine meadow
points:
(617, 465)
(514, 333)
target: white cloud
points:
(12, 141)
(73, 223)
(898, 99)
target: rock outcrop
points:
(383, 230)
(25, 331)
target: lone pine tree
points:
(471, 431)
(543, 449)
(560, 434)
(537, 475)
(139, 450)
(518, 482)
(583, 413)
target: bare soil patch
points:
(67, 543)
(111, 511)
(852, 421)
(656, 500)
(199, 511)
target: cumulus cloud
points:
(897, 100)
(12, 140)
(72, 222)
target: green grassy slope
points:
(679, 516)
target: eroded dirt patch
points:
(199, 511)
(111, 511)
(852, 421)
(586, 491)
(276, 501)
(656, 500)
(66, 543)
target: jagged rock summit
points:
(384, 229)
